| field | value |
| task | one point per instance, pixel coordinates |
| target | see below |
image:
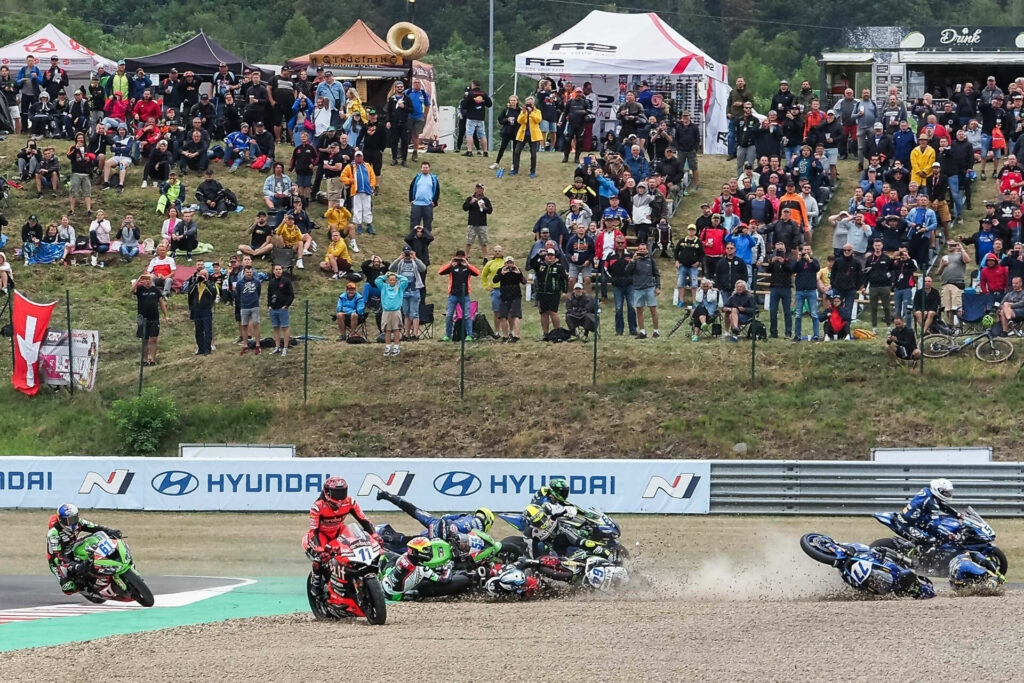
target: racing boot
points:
(389, 497)
(316, 584)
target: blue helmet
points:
(67, 516)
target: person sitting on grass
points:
(172, 193)
(739, 309)
(288, 235)
(149, 303)
(99, 236)
(350, 310)
(336, 258)
(52, 236)
(706, 301)
(901, 344)
(211, 196)
(239, 147)
(392, 288)
(48, 173)
(129, 236)
(6, 274)
(277, 189)
(260, 237)
(185, 235)
(837, 322)
(579, 312)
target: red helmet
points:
(335, 490)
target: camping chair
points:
(426, 321)
(975, 306)
(285, 257)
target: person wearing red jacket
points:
(994, 277)
(326, 519)
(148, 136)
(146, 108)
(712, 241)
(116, 107)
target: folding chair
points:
(973, 309)
(285, 257)
(426, 321)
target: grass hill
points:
(653, 398)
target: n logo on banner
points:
(397, 484)
(682, 486)
(117, 482)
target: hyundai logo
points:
(457, 483)
(175, 483)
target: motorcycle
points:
(596, 524)
(526, 578)
(111, 573)
(875, 570)
(353, 587)
(966, 531)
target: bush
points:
(143, 422)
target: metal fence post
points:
(462, 348)
(597, 332)
(305, 357)
(71, 358)
(142, 355)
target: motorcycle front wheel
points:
(512, 548)
(371, 601)
(140, 592)
(819, 547)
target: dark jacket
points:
(477, 216)
(727, 272)
(644, 273)
(201, 302)
(420, 245)
(878, 270)
(781, 272)
(806, 274)
(551, 277)
(846, 273)
(510, 285)
(280, 292)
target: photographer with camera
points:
(477, 206)
(646, 283)
(28, 160)
(528, 135)
(459, 272)
(781, 269)
(901, 343)
(510, 281)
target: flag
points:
(30, 323)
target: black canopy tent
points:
(200, 54)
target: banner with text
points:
(55, 363)
(438, 485)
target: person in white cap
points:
(360, 180)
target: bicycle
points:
(987, 347)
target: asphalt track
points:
(19, 591)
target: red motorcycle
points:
(353, 588)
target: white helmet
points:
(941, 489)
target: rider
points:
(932, 501)
(555, 493)
(972, 568)
(326, 519)
(547, 535)
(481, 520)
(60, 541)
(423, 571)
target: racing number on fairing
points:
(104, 548)
(364, 554)
(860, 570)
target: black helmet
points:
(559, 489)
(335, 490)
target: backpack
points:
(863, 334)
(217, 152)
(557, 335)
(230, 200)
(482, 327)
(757, 330)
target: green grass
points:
(667, 397)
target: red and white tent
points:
(609, 44)
(75, 58)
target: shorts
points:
(687, 275)
(576, 271)
(510, 309)
(941, 208)
(15, 111)
(743, 318)
(495, 300)
(831, 155)
(645, 297)
(477, 233)
(152, 328)
(304, 180)
(335, 190)
(391, 321)
(1018, 312)
(279, 317)
(81, 185)
(473, 127)
(126, 161)
(411, 304)
(690, 159)
(250, 315)
(416, 125)
(545, 127)
(952, 297)
(548, 303)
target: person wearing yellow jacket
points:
(339, 218)
(359, 178)
(336, 259)
(491, 269)
(528, 135)
(289, 235)
(921, 159)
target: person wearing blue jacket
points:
(335, 94)
(606, 189)
(239, 148)
(139, 84)
(350, 309)
(637, 163)
(424, 193)
(903, 141)
(745, 243)
(929, 503)
(392, 290)
(30, 83)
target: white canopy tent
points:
(49, 41)
(608, 48)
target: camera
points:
(780, 252)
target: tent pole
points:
(490, 84)
(515, 84)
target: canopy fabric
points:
(75, 58)
(620, 44)
(199, 54)
(358, 47)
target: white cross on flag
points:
(30, 323)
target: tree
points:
(298, 38)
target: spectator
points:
(161, 267)
(185, 235)
(202, 296)
(510, 294)
(490, 269)
(418, 115)
(878, 277)
(903, 268)
(28, 160)
(129, 236)
(392, 289)
(372, 268)
(475, 103)
(149, 302)
(781, 269)
(687, 256)
(622, 285)
(729, 269)
(6, 274)
(304, 162)
(334, 95)
(477, 205)
(9, 89)
(921, 159)
(248, 290)
(806, 269)
(42, 117)
(837, 320)
(530, 134)
(926, 306)
(31, 236)
(579, 312)
(48, 173)
(399, 107)
(81, 167)
(373, 140)
(994, 277)
(953, 275)
(349, 312)
(712, 239)
(280, 295)
(551, 221)
(1012, 307)
(646, 283)
(900, 344)
(336, 257)
(288, 235)
(509, 122)
(846, 275)
(459, 272)
(424, 193)
(172, 194)
(413, 270)
(194, 154)
(212, 197)
(239, 149)
(263, 139)
(360, 180)
(419, 240)
(277, 188)
(67, 232)
(99, 236)
(739, 309)
(552, 284)
(121, 146)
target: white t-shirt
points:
(161, 267)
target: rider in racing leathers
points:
(971, 568)
(548, 535)
(481, 520)
(555, 493)
(326, 519)
(932, 501)
(60, 541)
(423, 571)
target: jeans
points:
(234, 159)
(732, 137)
(781, 296)
(958, 201)
(745, 155)
(848, 298)
(204, 331)
(624, 299)
(421, 215)
(449, 320)
(811, 297)
(790, 152)
(129, 252)
(902, 299)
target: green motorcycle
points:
(111, 571)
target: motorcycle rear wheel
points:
(371, 601)
(999, 557)
(140, 592)
(812, 545)
(512, 548)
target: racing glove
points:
(113, 533)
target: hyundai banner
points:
(438, 485)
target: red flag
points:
(30, 323)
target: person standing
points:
(30, 83)
(475, 103)
(424, 193)
(878, 276)
(510, 281)
(410, 267)
(149, 302)
(420, 99)
(477, 205)
(781, 269)
(280, 295)
(334, 94)
(622, 286)
(806, 269)
(866, 114)
(359, 178)
(552, 284)
(392, 289)
(508, 120)
(248, 290)
(399, 107)
(646, 283)
(459, 272)
(201, 298)
(528, 135)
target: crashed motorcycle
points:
(880, 571)
(590, 522)
(527, 578)
(352, 588)
(965, 532)
(110, 571)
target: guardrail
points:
(760, 487)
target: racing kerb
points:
(760, 487)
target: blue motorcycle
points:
(591, 522)
(966, 531)
(880, 571)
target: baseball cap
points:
(33, 218)
(173, 70)
(544, 230)
(261, 213)
(830, 113)
(407, 249)
(578, 90)
(120, 62)
(222, 64)
(204, 96)
(328, 73)
(691, 226)
(359, 152)
(703, 204)
(878, 125)
(578, 285)
(936, 165)
(551, 252)
(509, 259)
(480, 185)
(259, 124)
